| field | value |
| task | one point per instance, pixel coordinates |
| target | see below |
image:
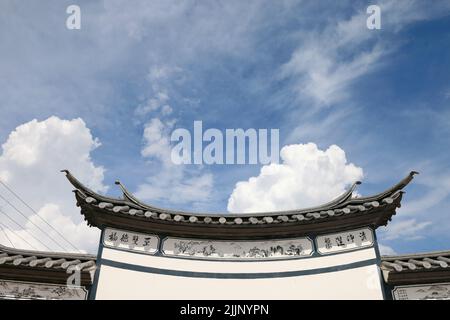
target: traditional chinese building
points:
(145, 252)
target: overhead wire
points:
(19, 236)
(31, 221)
(24, 228)
(5, 185)
(6, 236)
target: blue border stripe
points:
(93, 289)
(193, 274)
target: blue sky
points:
(309, 68)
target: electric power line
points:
(6, 235)
(22, 227)
(34, 224)
(19, 236)
(37, 214)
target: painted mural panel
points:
(131, 241)
(240, 250)
(438, 291)
(30, 291)
(345, 241)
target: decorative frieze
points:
(437, 291)
(240, 250)
(30, 290)
(132, 241)
(344, 241)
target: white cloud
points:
(171, 184)
(424, 212)
(156, 140)
(326, 62)
(162, 79)
(409, 229)
(176, 184)
(123, 41)
(329, 60)
(30, 162)
(386, 250)
(434, 184)
(425, 202)
(178, 188)
(307, 176)
(158, 102)
(319, 72)
(76, 232)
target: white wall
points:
(318, 278)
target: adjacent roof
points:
(342, 213)
(47, 267)
(419, 268)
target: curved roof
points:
(373, 210)
(417, 268)
(18, 264)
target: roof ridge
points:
(337, 203)
(27, 252)
(425, 254)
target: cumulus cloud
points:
(29, 164)
(74, 230)
(305, 177)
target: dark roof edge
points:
(344, 199)
(419, 255)
(81, 187)
(335, 202)
(59, 255)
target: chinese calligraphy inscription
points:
(132, 241)
(344, 241)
